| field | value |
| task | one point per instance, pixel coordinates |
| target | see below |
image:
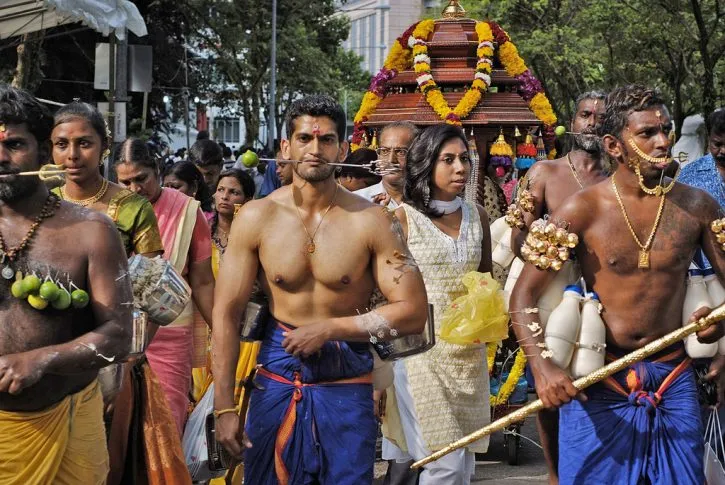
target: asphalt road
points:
(492, 468)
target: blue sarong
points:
(313, 421)
(641, 425)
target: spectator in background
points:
(207, 156)
(357, 178)
(187, 179)
(228, 160)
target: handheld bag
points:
(195, 443)
(479, 316)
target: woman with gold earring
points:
(80, 144)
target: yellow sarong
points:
(64, 444)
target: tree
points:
(233, 42)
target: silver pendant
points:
(8, 272)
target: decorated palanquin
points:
(464, 72)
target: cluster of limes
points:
(40, 294)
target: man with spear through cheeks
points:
(551, 183)
(637, 233)
(317, 251)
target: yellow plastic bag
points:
(478, 317)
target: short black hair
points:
(317, 105)
(624, 101)
(20, 107)
(205, 152)
(716, 121)
(420, 162)
(88, 112)
(202, 135)
(226, 151)
(359, 157)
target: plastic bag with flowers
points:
(479, 316)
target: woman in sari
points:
(142, 425)
(187, 245)
(187, 179)
(234, 189)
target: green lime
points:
(63, 300)
(560, 130)
(18, 291)
(79, 298)
(250, 159)
(37, 302)
(31, 284)
(49, 291)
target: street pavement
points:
(492, 468)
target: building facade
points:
(374, 25)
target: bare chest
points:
(337, 257)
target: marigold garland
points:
(411, 48)
(507, 388)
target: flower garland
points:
(398, 60)
(431, 90)
(507, 388)
(411, 48)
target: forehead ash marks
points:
(316, 129)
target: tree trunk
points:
(708, 63)
(27, 71)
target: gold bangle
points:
(225, 411)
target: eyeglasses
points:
(400, 153)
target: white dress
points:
(449, 383)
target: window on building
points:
(227, 130)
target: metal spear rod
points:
(715, 316)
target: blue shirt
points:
(703, 174)
(271, 181)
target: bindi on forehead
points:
(3, 132)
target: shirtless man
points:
(318, 251)
(643, 425)
(51, 414)
(552, 182)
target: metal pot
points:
(254, 322)
(169, 295)
(410, 344)
(110, 379)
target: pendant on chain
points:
(643, 259)
(7, 272)
(311, 247)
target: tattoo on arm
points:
(402, 261)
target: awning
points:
(18, 17)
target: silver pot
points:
(110, 379)
(168, 294)
(410, 344)
(254, 323)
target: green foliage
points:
(577, 45)
(237, 35)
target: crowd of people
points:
(342, 259)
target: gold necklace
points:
(89, 201)
(658, 190)
(645, 157)
(644, 249)
(311, 244)
(573, 172)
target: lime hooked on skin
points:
(49, 291)
(31, 284)
(79, 298)
(63, 300)
(560, 130)
(18, 291)
(37, 302)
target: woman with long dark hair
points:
(187, 179)
(445, 391)
(187, 246)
